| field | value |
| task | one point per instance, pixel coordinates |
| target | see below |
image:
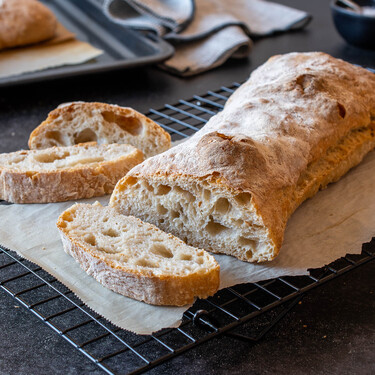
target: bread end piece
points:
(79, 122)
(136, 259)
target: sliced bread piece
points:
(79, 122)
(63, 173)
(135, 258)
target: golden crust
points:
(286, 117)
(24, 22)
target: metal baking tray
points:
(123, 48)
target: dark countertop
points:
(331, 332)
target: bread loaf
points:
(300, 122)
(136, 259)
(80, 122)
(64, 173)
(24, 22)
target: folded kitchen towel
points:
(205, 33)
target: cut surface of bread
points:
(300, 122)
(24, 22)
(79, 122)
(136, 259)
(63, 173)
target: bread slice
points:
(24, 22)
(300, 122)
(136, 259)
(80, 122)
(64, 173)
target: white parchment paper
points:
(333, 223)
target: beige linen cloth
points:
(205, 33)
(333, 223)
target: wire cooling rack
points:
(251, 308)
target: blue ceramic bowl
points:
(356, 29)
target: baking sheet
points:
(39, 57)
(122, 48)
(337, 221)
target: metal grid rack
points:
(224, 314)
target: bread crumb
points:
(304, 326)
(16, 307)
(325, 336)
(43, 248)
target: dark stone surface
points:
(332, 331)
(28, 346)
(339, 337)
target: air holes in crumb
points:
(55, 136)
(247, 242)
(50, 158)
(86, 135)
(174, 214)
(90, 239)
(186, 257)
(222, 206)
(342, 110)
(186, 194)
(88, 160)
(148, 186)
(243, 198)
(249, 254)
(161, 250)
(68, 217)
(145, 263)
(18, 159)
(206, 194)
(190, 197)
(200, 260)
(215, 228)
(161, 209)
(111, 233)
(163, 189)
(178, 189)
(130, 181)
(129, 124)
(238, 223)
(105, 219)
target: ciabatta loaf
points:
(300, 122)
(136, 259)
(80, 122)
(63, 173)
(24, 22)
